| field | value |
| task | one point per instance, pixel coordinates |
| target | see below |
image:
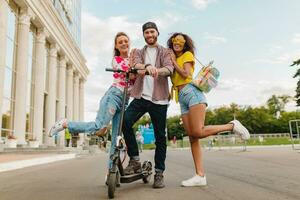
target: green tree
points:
(255, 119)
(210, 117)
(234, 108)
(276, 104)
(283, 123)
(297, 74)
(223, 115)
(142, 121)
(175, 128)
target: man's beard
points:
(152, 43)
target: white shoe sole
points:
(194, 185)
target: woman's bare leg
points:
(196, 122)
(193, 123)
(195, 147)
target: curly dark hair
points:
(188, 46)
(116, 51)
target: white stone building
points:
(42, 69)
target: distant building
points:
(42, 69)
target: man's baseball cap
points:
(150, 25)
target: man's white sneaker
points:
(194, 181)
(57, 127)
(240, 130)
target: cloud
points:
(278, 54)
(267, 89)
(201, 4)
(232, 84)
(296, 38)
(281, 88)
(97, 45)
(275, 49)
(249, 92)
(283, 58)
(98, 35)
(244, 93)
(168, 19)
(170, 2)
(214, 40)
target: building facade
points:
(42, 69)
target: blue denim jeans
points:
(189, 95)
(109, 109)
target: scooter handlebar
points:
(114, 70)
(131, 70)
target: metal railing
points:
(295, 137)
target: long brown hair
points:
(188, 46)
(116, 51)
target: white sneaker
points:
(240, 130)
(194, 181)
(57, 127)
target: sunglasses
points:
(179, 40)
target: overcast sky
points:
(252, 43)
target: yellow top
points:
(67, 134)
(176, 78)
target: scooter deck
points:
(134, 177)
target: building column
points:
(3, 30)
(51, 97)
(84, 138)
(76, 107)
(39, 69)
(70, 93)
(21, 76)
(81, 99)
(62, 96)
(76, 97)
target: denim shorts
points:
(189, 95)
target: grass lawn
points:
(229, 142)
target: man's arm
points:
(137, 59)
(164, 71)
(168, 68)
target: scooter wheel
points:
(147, 165)
(111, 183)
(146, 179)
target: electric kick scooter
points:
(116, 172)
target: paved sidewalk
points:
(255, 174)
(13, 161)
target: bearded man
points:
(151, 95)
